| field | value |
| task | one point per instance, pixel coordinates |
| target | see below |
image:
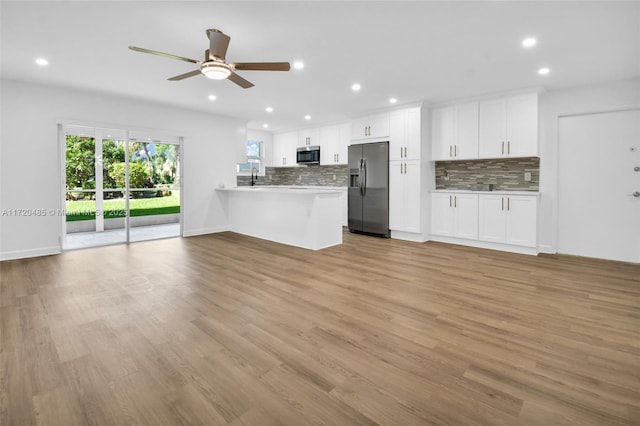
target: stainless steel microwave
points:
(308, 155)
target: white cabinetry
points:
(309, 137)
(284, 149)
(509, 127)
(334, 141)
(405, 134)
(404, 196)
(371, 127)
(455, 215)
(454, 132)
(509, 219)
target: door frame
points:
(62, 125)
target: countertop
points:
(450, 191)
(286, 189)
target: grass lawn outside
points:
(86, 209)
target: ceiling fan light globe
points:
(215, 71)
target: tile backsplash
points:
(301, 176)
(505, 174)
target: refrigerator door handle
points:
(364, 183)
(360, 176)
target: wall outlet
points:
(527, 176)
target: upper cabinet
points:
(405, 134)
(371, 127)
(509, 127)
(454, 132)
(334, 141)
(309, 137)
(284, 149)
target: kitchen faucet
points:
(253, 182)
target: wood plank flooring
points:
(230, 330)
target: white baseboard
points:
(23, 254)
(485, 245)
(547, 249)
(204, 231)
(408, 236)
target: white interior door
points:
(598, 214)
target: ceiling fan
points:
(214, 65)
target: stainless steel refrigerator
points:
(369, 188)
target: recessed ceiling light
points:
(544, 71)
(355, 87)
(212, 97)
(307, 117)
(265, 125)
(529, 42)
(268, 109)
(298, 65)
(393, 100)
(42, 62)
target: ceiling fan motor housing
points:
(215, 69)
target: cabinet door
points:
(309, 137)
(522, 126)
(328, 141)
(359, 128)
(466, 144)
(442, 214)
(465, 216)
(279, 150)
(290, 149)
(396, 195)
(342, 143)
(379, 125)
(491, 218)
(443, 133)
(522, 220)
(397, 135)
(412, 199)
(413, 134)
(493, 128)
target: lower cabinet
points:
(404, 196)
(455, 215)
(509, 219)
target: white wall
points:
(601, 97)
(30, 175)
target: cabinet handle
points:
(502, 147)
(450, 205)
(450, 150)
(508, 147)
(508, 207)
(455, 201)
(337, 157)
(502, 203)
(455, 150)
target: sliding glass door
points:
(117, 189)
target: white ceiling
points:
(414, 51)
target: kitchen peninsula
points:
(302, 217)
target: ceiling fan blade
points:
(166, 55)
(262, 66)
(245, 84)
(218, 43)
(185, 75)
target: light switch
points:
(527, 176)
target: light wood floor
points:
(226, 329)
